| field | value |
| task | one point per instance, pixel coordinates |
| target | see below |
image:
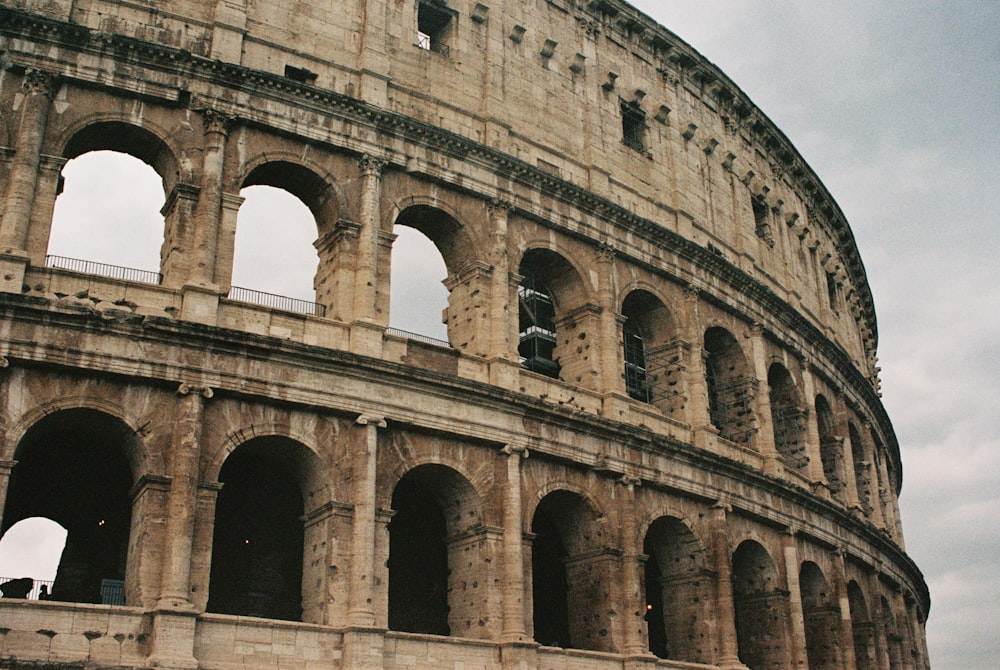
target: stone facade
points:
(655, 439)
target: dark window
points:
(831, 290)
(762, 220)
(633, 126)
(433, 27)
(636, 381)
(537, 330)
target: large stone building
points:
(653, 439)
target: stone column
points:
(46, 192)
(635, 643)
(209, 211)
(6, 467)
(873, 479)
(360, 597)
(501, 345)
(725, 608)
(697, 386)
(815, 468)
(366, 274)
(838, 579)
(611, 354)
(35, 101)
(182, 500)
(512, 593)
(764, 436)
(798, 643)
(846, 454)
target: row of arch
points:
(76, 467)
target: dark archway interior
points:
(761, 608)
(257, 546)
(655, 625)
(418, 560)
(71, 468)
(550, 591)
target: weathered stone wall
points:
(560, 518)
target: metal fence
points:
(419, 338)
(276, 301)
(112, 590)
(103, 269)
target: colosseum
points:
(653, 438)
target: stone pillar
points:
(366, 274)
(360, 597)
(764, 437)
(512, 593)
(35, 101)
(697, 386)
(502, 345)
(798, 654)
(725, 608)
(610, 352)
(873, 479)
(838, 579)
(225, 248)
(635, 643)
(815, 468)
(40, 225)
(846, 454)
(182, 501)
(887, 497)
(178, 221)
(209, 212)
(6, 467)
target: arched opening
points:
(273, 250)
(862, 469)
(862, 629)
(437, 556)
(72, 468)
(31, 549)
(893, 639)
(651, 352)
(678, 591)
(571, 575)
(418, 297)
(821, 613)
(830, 447)
(762, 610)
(549, 289)
(788, 416)
(257, 546)
(101, 228)
(730, 387)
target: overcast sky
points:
(896, 106)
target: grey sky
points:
(896, 106)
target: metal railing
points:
(281, 302)
(103, 269)
(112, 590)
(419, 338)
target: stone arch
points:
(258, 563)
(831, 448)
(438, 552)
(862, 628)
(762, 608)
(113, 132)
(573, 571)
(652, 353)
(552, 299)
(74, 467)
(821, 614)
(136, 452)
(731, 387)
(308, 181)
(679, 615)
(788, 418)
(893, 639)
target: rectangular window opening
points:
(633, 126)
(434, 26)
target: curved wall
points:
(650, 293)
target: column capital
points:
(185, 389)
(371, 420)
(372, 166)
(606, 252)
(630, 481)
(216, 121)
(499, 206)
(39, 81)
(515, 450)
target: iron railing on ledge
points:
(419, 338)
(281, 302)
(103, 269)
